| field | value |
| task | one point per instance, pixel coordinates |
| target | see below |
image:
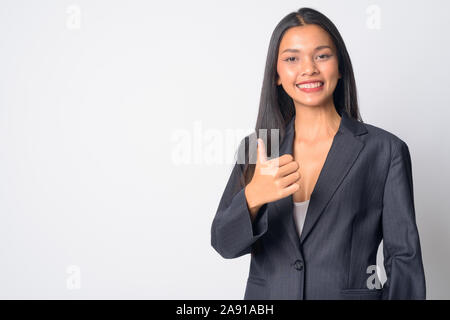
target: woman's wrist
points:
(252, 203)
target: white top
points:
(300, 209)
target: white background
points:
(92, 94)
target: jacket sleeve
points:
(232, 230)
(401, 244)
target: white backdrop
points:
(119, 122)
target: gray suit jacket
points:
(364, 194)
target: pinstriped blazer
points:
(364, 194)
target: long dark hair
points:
(276, 107)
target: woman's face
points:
(308, 53)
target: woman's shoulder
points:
(378, 135)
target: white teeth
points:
(310, 85)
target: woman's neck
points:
(313, 123)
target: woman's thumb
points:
(261, 154)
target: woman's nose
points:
(308, 67)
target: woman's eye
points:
(324, 56)
(321, 57)
(290, 59)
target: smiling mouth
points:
(310, 85)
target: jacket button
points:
(298, 264)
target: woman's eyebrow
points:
(297, 50)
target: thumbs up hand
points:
(273, 179)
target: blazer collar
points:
(347, 125)
(344, 150)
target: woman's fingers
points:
(288, 169)
(289, 179)
(290, 189)
(281, 161)
(283, 179)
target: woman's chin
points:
(311, 101)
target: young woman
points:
(313, 215)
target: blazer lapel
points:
(344, 150)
